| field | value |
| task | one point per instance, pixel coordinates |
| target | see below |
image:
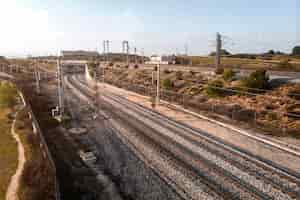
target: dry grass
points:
(273, 63)
(8, 151)
(37, 179)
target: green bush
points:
(215, 88)
(8, 94)
(166, 71)
(111, 64)
(92, 66)
(285, 64)
(219, 70)
(296, 50)
(258, 80)
(228, 74)
(136, 66)
(167, 84)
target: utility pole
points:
(186, 49)
(96, 97)
(60, 88)
(127, 52)
(125, 48)
(103, 74)
(37, 79)
(158, 85)
(107, 48)
(218, 50)
(143, 56)
(104, 50)
(135, 55)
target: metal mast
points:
(60, 88)
(135, 55)
(218, 50)
(104, 50)
(143, 54)
(107, 49)
(37, 78)
(186, 49)
(158, 85)
(96, 97)
(125, 48)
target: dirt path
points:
(12, 190)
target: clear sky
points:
(158, 26)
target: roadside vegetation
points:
(256, 80)
(37, 180)
(8, 146)
(276, 61)
(92, 67)
(228, 75)
(8, 93)
(252, 99)
(214, 88)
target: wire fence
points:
(46, 153)
(37, 130)
(263, 119)
(237, 89)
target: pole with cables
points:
(158, 85)
(218, 51)
(107, 48)
(104, 50)
(135, 55)
(60, 88)
(37, 79)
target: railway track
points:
(167, 159)
(244, 176)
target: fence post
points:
(255, 117)
(283, 129)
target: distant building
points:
(78, 54)
(164, 60)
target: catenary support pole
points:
(218, 50)
(158, 85)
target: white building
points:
(164, 60)
(79, 53)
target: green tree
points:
(258, 80)
(223, 52)
(8, 94)
(228, 74)
(215, 88)
(296, 50)
(167, 84)
(271, 52)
